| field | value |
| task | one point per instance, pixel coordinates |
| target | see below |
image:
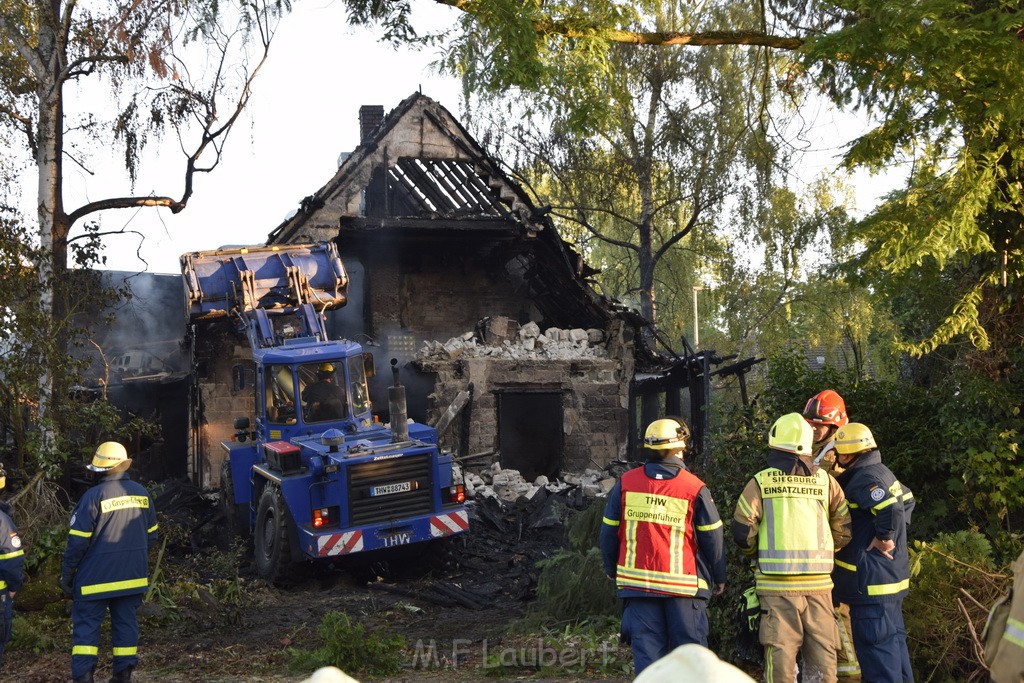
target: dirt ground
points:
(454, 620)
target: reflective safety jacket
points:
(661, 534)
(880, 507)
(12, 555)
(108, 544)
(791, 518)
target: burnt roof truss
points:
(445, 187)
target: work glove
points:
(67, 584)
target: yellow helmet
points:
(109, 455)
(3, 476)
(326, 367)
(792, 434)
(854, 438)
(666, 434)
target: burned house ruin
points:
(502, 339)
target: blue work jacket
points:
(711, 562)
(881, 508)
(12, 555)
(108, 544)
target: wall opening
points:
(530, 432)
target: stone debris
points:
(509, 485)
(501, 337)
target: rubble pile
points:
(504, 338)
(509, 485)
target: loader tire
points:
(235, 516)
(272, 549)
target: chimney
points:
(370, 118)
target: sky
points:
(302, 116)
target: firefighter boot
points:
(84, 678)
(123, 676)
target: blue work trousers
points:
(880, 639)
(87, 617)
(6, 622)
(655, 626)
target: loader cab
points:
(309, 393)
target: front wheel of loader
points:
(272, 538)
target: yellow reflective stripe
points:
(114, 586)
(884, 504)
(152, 528)
(745, 508)
(846, 565)
(889, 588)
(709, 527)
(124, 503)
(843, 508)
(852, 505)
(16, 553)
(769, 664)
(775, 583)
(87, 650)
(83, 534)
(1014, 632)
(126, 651)
(660, 581)
(609, 522)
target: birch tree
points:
(152, 68)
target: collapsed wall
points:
(543, 401)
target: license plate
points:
(388, 489)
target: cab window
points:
(357, 385)
(323, 392)
(280, 394)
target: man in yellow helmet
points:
(106, 564)
(324, 398)
(12, 561)
(791, 518)
(662, 543)
(872, 573)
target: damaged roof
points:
(419, 176)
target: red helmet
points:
(826, 408)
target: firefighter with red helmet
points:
(663, 544)
(825, 412)
(790, 519)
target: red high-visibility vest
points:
(657, 544)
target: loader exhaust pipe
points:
(398, 408)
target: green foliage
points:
(953, 582)
(351, 648)
(46, 550)
(572, 587)
(39, 635)
(584, 648)
(981, 425)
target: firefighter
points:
(662, 543)
(106, 564)
(872, 573)
(826, 412)
(323, 398)
(1004, 631)
(12, 560)
(790, 518)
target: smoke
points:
(140, 336)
